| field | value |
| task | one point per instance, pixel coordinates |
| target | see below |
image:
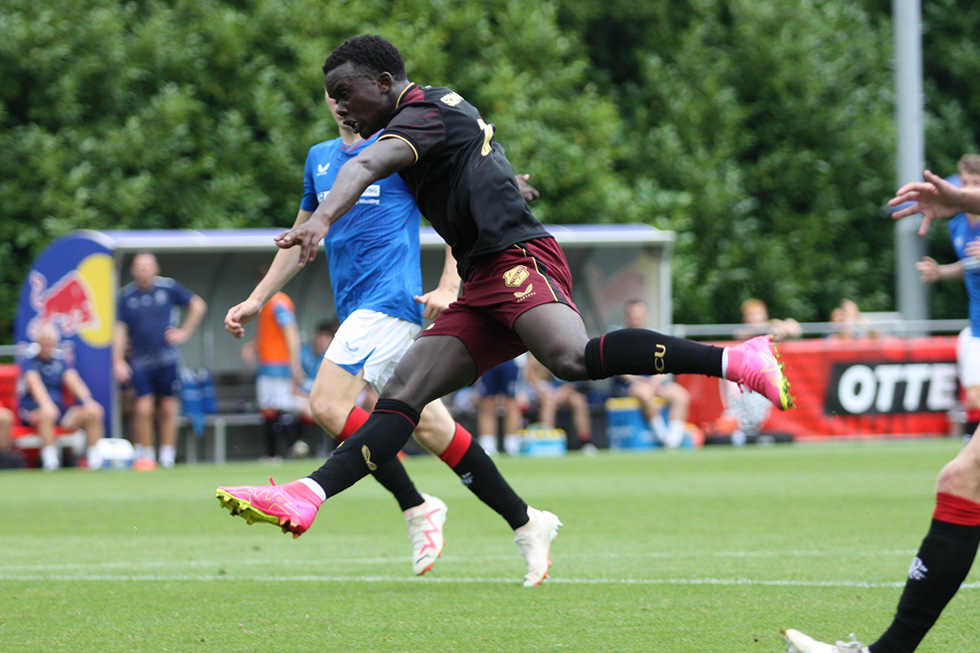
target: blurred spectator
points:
(964, 231)
(553, 394)
(47, 374)
(849, 322)
(280, 375)
(145, 316)
(311, 353)
(755, 317)
(655, 391)
(497, 389)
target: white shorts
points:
(276, 393)
(968, 358)
(373, 342)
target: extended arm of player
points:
(385, 157)
(284, 265)
(934, 198)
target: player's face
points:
(362, 99)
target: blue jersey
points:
(961, 232)
(373, 250)
(147, 314)
(52, 373)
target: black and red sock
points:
(377, 442)
(937, 571)
(392, 475)
(642, 351)
(478, 473)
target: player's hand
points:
(306, 236)
(435, 302)
(972, 249)
(528, 192)
(122, 370)
(934, 198)
(238, 315)
(175, 336)
(928, 270)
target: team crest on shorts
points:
(516, 276)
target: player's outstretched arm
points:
(934, 198)
(385, 157)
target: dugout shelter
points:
(75, 280)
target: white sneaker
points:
(534, 540)
(425, 524)
(797, 642)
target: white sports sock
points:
(168, 454)
(489, 443)
(313, 485)
(94, 457)
(512, 444)
(49, 457)
(675, 432)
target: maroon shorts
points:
(500, 288)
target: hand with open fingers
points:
(934, 198)
(306, 236)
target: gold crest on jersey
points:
(452, 99)
(516, 276)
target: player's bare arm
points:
(385, 157)
(284, 265)
(436, 301)
(934, 198)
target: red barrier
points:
(855, 388)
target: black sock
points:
(943, 561)
(642, 351)
(394, 478)
(380, 439)
(481, 476)
(271, 428)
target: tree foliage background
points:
(762, 133)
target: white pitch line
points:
(446, 558)
(307, 578)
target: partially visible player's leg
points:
(333, 403)
(944, 557)
(942, 562)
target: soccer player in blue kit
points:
(516, 293)
(145, 314)
(964, 232)
(375, 273)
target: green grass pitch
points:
(706, 551)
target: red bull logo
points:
(69, 303)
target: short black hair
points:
(370, 52)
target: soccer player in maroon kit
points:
(517, 286)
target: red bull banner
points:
(72, 285)
(843, 388)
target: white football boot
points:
(425, 524)
(534, 540)
(797, 642)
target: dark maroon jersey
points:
(461, 179)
